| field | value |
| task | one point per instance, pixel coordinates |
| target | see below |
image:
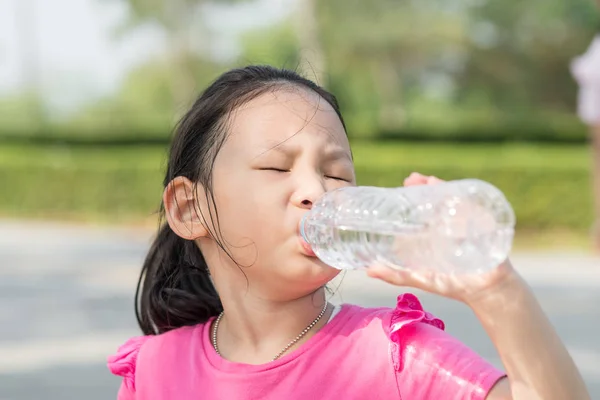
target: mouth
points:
(305, 247)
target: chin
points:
(317, 272)
(302, 277)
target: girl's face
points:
(285, 149)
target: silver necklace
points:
(290, 344)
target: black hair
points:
(174, 288)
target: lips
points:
(306, 248)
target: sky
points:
(80, 57)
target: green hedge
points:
(560, 199)
(458, 126)
(101, 184)
(549, 187)
(491, 126)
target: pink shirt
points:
(362, 353)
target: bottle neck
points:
(302, 225)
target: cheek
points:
(248, 212)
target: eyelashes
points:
(274, 169)
(337, 178)
(281, 170)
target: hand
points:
(467, 288)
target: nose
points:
(309, 190)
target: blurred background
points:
(90, 91)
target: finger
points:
(425, 280)
(398, 277)
(415, 178)
(433, 180)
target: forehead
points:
(292, 115)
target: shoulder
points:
(424, 358)
(135, 354)
(407, 311)
(394, 327)
(407, 321)
(124, 361)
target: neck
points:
(254, 330)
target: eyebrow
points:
(336, 153)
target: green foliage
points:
(276, 45)
(505, 64)
(428, 120)
(549, 185)
(146, 106)
(169, 14)
(116, 184)
(426, 70)
(22, 113)
(450, 70)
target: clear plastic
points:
(463, 226)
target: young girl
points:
(233, 302)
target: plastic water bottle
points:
(463, 226)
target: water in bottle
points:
(463, 226)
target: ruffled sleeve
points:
(432, 364)
(123, 363)
(408, 311)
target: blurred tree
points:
(595, 133)
(520, 53)
(16, 114)
(378, 53)
(416, 66)
(312, 57)
(143, 106)
(276, 45)
(30, 64)
(507, 59)
(187, 39)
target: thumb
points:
(415, 178)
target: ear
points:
(182, 209)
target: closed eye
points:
(274, 169)
(337, 178)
